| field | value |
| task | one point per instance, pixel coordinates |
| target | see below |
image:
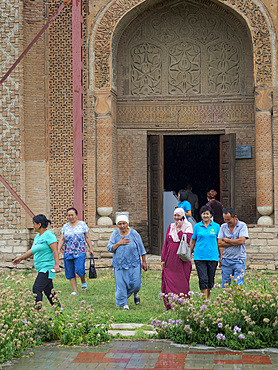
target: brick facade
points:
(121, 110)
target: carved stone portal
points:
(248, 9)
(185, 49)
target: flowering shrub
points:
(240, 317)
(22, 327)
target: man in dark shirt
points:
(193, 200)
(216, 206)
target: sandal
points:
(84, 286)
(136, 299)
(74, 293)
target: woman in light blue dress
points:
(127, 248)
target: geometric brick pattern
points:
(275, 149)
(132, 177)
(60, 110)
(264, 167)
(60, 113)
(87, 120)
(104, 162)
(11, 38)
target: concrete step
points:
(127, 329)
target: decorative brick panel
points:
(264, 159)
(132, 178)
(275, 150)
(60, 112)
(10, 111)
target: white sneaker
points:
(126, 308)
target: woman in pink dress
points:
(175, 272)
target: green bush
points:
(238, 318)
(22, 326)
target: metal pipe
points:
(17, 197)
(77, 110)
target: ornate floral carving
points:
(184, 69)
(198, 54)
(260, 35)
(247, 8)
(223, 68)
(103, 38)
(146, 70)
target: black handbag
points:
(92, 269)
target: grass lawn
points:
(101, 294)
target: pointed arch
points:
(252, 11)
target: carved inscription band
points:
(153, 114)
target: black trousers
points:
(43, 284)
(206, 272)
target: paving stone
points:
(145, 354)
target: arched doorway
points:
(185, 71)
(116, 114)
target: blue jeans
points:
(75, 266)
(233, 267)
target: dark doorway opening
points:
(192, 159)
(204, 161)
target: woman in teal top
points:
(206, 253)
(45, 252)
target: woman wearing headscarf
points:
(46, 261)
(216, 207)
(175, 272)
(127, 248)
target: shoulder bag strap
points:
(92, 257)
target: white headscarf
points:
(122, 218)
(186, 226)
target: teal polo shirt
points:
(206, 246)
(43, 254)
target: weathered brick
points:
(258, 242)
(19, 249)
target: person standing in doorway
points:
(183, 203)
(216, 207)
(231, 241)
(194, 201)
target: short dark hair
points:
(229, 210)
(206, 208)
(188, 187)
(41, 219)
(72, 209)
(183, 195)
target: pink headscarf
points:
(185, 228)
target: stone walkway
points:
(144, 354)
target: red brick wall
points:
(132, 172)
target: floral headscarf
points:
(211, 194)
(185, 228)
